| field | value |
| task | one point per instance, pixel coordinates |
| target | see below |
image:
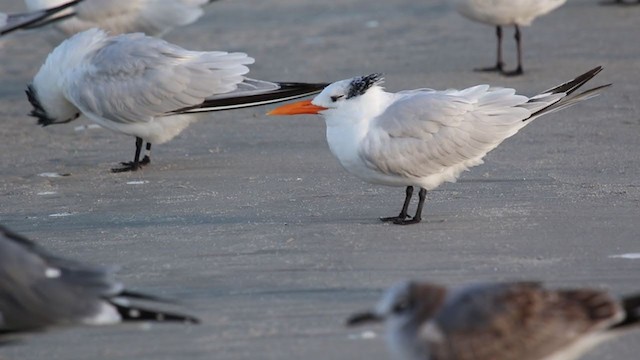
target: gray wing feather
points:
(135, 78)
(517, 321)
(425, 132)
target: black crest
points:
(38, 111)
(360, 85)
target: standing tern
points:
(39, 290)
(152, 17)
(424, 137)
(146, 87)
(498, 321)
(13, 22)
(501, 13)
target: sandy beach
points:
(252, 224)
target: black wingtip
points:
(142, 314)
(573, 85)
(631, 306)
(37, 19)
(286, 91)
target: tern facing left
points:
(146, 87)
(424, 137)
(498, 321)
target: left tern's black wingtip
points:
(285, 92)
(36, 19)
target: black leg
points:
(518, 70)
(147, 157)
(422, 196)
(135, 164)
(499, 63)
(403, 213)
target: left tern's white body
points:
(129, 83)
(152, 17)
(146, 87)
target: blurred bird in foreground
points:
(501, 13)
(146, 87)
(498, 321)
(152, 17)
(425, 137)
(35, 18)
(39, 290)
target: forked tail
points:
(563, 95)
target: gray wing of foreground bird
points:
(39, 290)
(146, 87)
(498, 321)
(35, 18)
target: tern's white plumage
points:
(501, 13)
(145, 87)
(39, 290)
(498, 321)
(152, 17)
(424, 137)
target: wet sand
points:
(255, 227)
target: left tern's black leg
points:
(422, 196)
(519, 70)
(135, 164)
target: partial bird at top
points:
(146, 87)
(35, 18)
(152, 17)
(501, 13)
(425, 137)
(39, 290)
(498, 321)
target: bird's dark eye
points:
(336, 97)
(400, 307)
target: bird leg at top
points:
(499, 67)
(518, 70)
(422, 196)
(136, 163)
(405, 208)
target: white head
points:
(346, 100)
(404, 308)
(47, 91)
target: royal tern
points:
(498, 321)
(13, 22)
(39, 290)
(145, 87)
(152, 17)
(424, 137)
(501, 13)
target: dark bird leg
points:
(518, 70)
(147, 157)
(422, 196)
(135, 164)
(499, 63)
(403, 213)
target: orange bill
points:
(300, 107)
